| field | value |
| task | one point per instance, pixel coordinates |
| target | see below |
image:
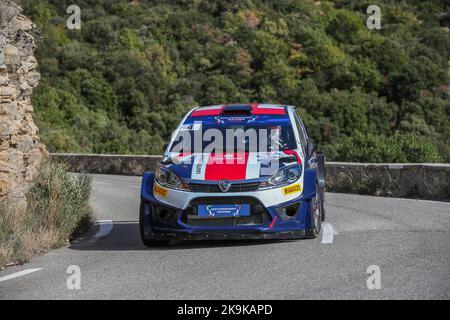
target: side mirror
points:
(164, 147)
(311, 147)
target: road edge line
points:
(106, 227)
(328, 233)
(19, 274)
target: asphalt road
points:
(408, 240)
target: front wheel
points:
(147, 242)
(316, 214)
(322, 203)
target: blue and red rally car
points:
(237, 171)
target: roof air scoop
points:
(237, 110)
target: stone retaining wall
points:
(422, 181)
(412, 180)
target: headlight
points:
(284, 176)
(169, 179)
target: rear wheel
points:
(316, 214)
(147, 242)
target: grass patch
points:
(57, 205)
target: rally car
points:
(236, 171)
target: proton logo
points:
(224, 185)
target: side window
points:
(301, 131)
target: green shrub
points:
(57, 203)
(122, 83)
(401, 148)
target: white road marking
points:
(19, 274)
(135, 187)
(423, 200)
(328, 232)
(99, 182)
(106, 227)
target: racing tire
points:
(322, 203)
(147, 242)
(321, 177)
(316, 216)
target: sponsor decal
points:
(191, 127)
(198, 168)
(224, 210)
(292, 189)
(246, 119)
(160, 191)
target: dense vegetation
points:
(57, 206)
(122, 82)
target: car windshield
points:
(233, 138)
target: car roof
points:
(240, 108)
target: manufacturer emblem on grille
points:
(224, 185)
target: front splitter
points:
(284, 235)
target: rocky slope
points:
(20, 149)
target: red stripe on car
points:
(257, 109)
(272, 111)
(273, 222)
(207, 112)
(230, 166)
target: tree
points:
(122, 83)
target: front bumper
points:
(273, 226)
(227, 235)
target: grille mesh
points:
(237, 187)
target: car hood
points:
(228, 166)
